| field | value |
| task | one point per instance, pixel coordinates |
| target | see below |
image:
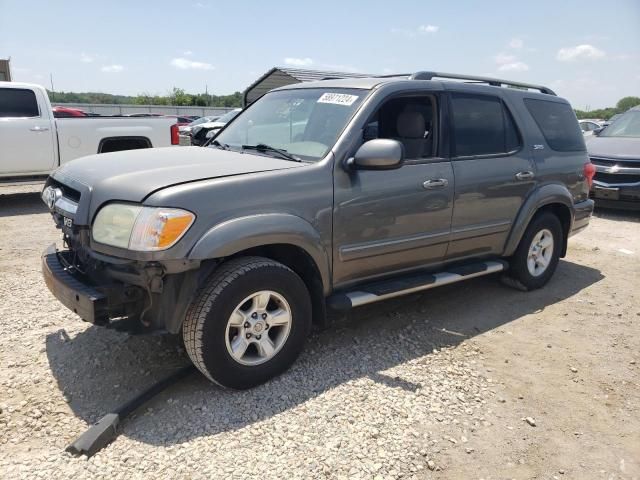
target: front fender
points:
(233, 236)
(543, 195)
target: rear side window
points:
(558, 124)
(482, 126)
(17, 102)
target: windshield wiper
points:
(217, 144)
(263, 147)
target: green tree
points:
(626, 103)
(176, 96)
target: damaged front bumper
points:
(136, 297)
(93, 301)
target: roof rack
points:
(496, 82)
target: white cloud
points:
(186, 64)
(112, 68)
(428, 28)
(510, 63)
(516, 43)
(579, 52)
(187, 53)
(298, 62)
(514, 67)
(504, 58)
(414, 32)
(85, 58)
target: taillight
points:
(175, 137)
(589, 173)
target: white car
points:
(199, 132)
(588, 126)
(34, 143)
(186, 129)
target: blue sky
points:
(589, 52)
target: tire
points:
(544, 225)
(221, 318)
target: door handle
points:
(39, 129)
(524, 175)
(435, 183)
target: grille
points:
(67, 192)
(610, 162)
(616, 178)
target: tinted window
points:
(482, 126)
(16, 102)
(558, 124)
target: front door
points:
(26, 133)
(388, 221)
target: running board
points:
(382, 290)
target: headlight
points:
(140, 228)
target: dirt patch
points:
(473, 380)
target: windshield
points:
(627, 125)
(304, 122)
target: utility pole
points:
(206, 93)
(53, 92)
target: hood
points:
(212, 125)
(623, 148)
(135, 174)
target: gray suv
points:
(331, 194)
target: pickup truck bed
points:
(34, 143)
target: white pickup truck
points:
(33, 142)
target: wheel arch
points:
(285, 238)
(116, 144)
(554, 198)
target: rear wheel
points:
(537, 255)
(249, 322)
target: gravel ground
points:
(472, 380)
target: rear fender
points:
(552, 193)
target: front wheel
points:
(249, 322)
(538, 253)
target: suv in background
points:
(615, 152)
(336, 193)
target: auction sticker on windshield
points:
(338, 98)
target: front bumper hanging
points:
(79, 297)
(90, 298)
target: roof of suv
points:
(445, 79)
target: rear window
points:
(558, 124)
(482, 126)
(17, 102)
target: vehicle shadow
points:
(615, 214)
(100, 369)
(15, 204)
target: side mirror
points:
(598, 131)
(378, 154)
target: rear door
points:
(493, 173)
(26, 133)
